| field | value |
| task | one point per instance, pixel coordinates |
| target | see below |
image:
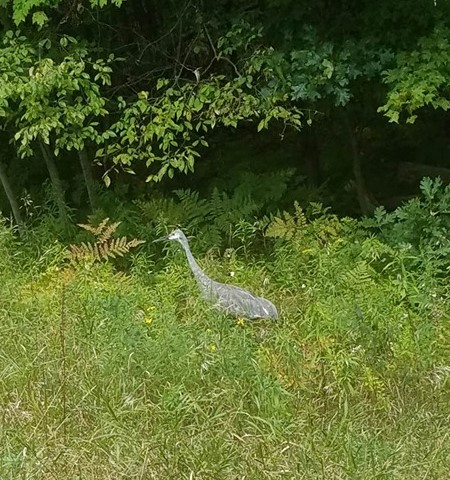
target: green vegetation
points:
(120, 370)
(304, 146)
(115, 94)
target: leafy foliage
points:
(169, 131)
(420, 78)
(22, 9)
(196, 70)
(55, 101)
(329, 71)
(421, 225)
(215, 218)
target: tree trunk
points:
(365, 205)
(88, 177)
(55, 179)
(11, 197)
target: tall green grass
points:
(109, 375)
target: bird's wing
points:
(241, 302)
(234, 292)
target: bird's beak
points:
(161, 239)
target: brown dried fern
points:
(105, 246)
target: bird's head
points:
(176, 235)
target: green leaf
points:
(329, 68)
(39, 18)
(162, 82)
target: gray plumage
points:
(228, 298)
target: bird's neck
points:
(198, 272)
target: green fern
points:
(265, 189)
(359, 277)
(196, 211)
(287, 225)
(373, 249)
(215, 218)
(160, 211)
(226, 212)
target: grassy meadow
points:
(114, 370)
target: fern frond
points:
(88, 228)
(287, 225)
(373, 249)
(358, 277)
(105, 246)
(135, 243)
(95, 230)
(108, 232)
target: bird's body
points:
(231, 299)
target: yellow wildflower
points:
(240, 322)
(148, 320)
(212, 347)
